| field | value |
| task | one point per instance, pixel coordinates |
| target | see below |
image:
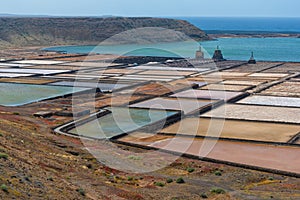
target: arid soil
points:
(41, 165)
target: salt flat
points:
(271, 101)
(32, 71)
(11, 75)
(39, 62)
(207, 94)
(256, 113)
(234, 129)
(186, 105)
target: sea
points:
(264, 49)
(245, 24)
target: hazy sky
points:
(251, 8)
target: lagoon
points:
(265, 49)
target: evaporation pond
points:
(119, 121)
(13, 94)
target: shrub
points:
(27, 178)
(190, 170)
(81, 191)
(180, 180)
(204, 196)
(169, 180)
(89, 166)
(134, 157)
(129, 178)
(3, 156)
(4, 188)
(218, 173)
(159, 184)
(217, 191)
(16, 113)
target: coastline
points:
(251, 34)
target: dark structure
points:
(143, 59)
(252, 59)
(199, 54)
(218, 56)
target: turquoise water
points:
(21, 94)
(176, 49)
(121, 120)
(267, 49)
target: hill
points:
(81, 31)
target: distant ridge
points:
(52, 16)
(21, 16)
(50, 31)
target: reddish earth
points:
(41, 165)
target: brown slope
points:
(69, 31)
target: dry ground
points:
(41, 165)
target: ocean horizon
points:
(245, 24)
